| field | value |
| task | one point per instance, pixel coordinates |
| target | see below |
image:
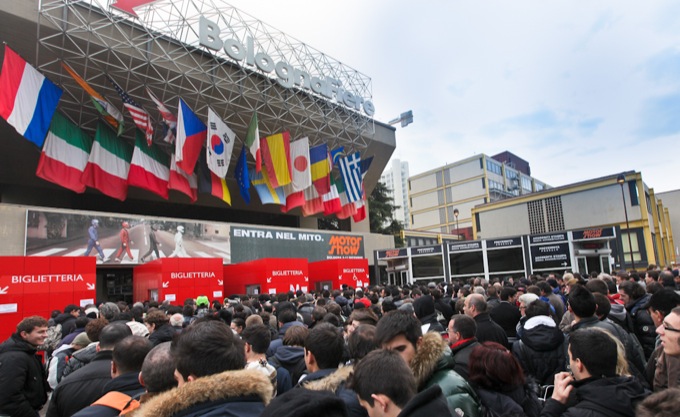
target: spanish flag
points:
(276, 158)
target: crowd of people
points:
(551, 345)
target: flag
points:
(313, 202)
(331, 200)
(219, 146)
(181, 181)
(64, 156)
(209, 183)
(302, 178)
(276, 157)
(242, 176)
(109, 164)
(108, 111)
(347, 208)
(149, 168)
(319, 168)
(169, 119)
(365, 164)
(27, 99)
(253, 142)
(267, 193)
(139, 115)
(336, 154)
(191, 135)
(360, 214)
(351, 176)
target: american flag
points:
(139, 115)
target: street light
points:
(455, 214)
(406, 118)
(621, 179)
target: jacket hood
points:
(229, 384)
(542, 337)
(423, 306)
(87, 353)
(431, 355)
(61, 319)
(639, 303)
(331, 382)
(618, 393)
(286, 326)
(17, 344)
(289, 354)
(618, 311)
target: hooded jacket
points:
(424, 308)
(23, 380)
(644, 327)
(433, 365)
(489, 331)
(333, 380)
(242, 393)
(80, 358)
(518, 402)
(541, 350)
(291, 358)
(611, 397)
(68, 323)
(427, 403)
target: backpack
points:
(118, 401)
(53, 339)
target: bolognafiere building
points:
(212, 56)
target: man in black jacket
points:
(487, 329)
(84, 386)
(594, 389)
(462, 330)
(506, 314)
(128, 357)
(23, 380)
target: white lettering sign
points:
(43, 279)
(189, 275)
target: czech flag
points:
(191, 135)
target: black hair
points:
(361, 341)
(596, 349)
(537, 308)
(383, 372)
(581, 301)
(397, 323)
(326, 343)
(465, 325)
(113, 333)
(258, 337)
(129, 353)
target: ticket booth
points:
(176, 279)
(332, 274)
(38, 285)
(266, 276)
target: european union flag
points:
(242, 176)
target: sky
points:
(579, 89)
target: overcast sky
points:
(580, 89)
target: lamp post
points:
(621, 179)
(455, 214)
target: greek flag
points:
(350, 169)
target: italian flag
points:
(150, 167)
(331, 200)
(64, 155)
(109, 164)
(180, 181)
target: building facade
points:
(441, 200)
(395, 178)
(672, 199)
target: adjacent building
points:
(395, 178)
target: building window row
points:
(494, 167)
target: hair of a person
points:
(207, 348)
(29, 323)
(109, 311)
(295, 336)
(528, 298)
(507, 292)
(254, 319)
(537, 307)
(397, 323)
(158, 369)
(70, 308)
(533, 289)
(478, 302)
(258, 337)
(581, 301)
(544, 287)
(156, 317)
(596, 350)
(113, 333)
(676, 310)
(331, 308)
(597, 286)
(632, 289)
(177, 320)
(365, 316)
(491, 292)
(361, 341)
(318, 313)
(383, 371)
(129, 353)
(82, 321)
(94, 328)
(602, 305)
(326, 343)
(225, 316)
(286, 315)
(465, 325)
(493, 367)
(332, 319)
(664, 403)
(664, 301)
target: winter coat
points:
(433, 365)
(291, 359)
(541, 350)
(663, 371)
(164, 333)
(127, 384)
(57, 364)
(69, 338)
(80, 358)
(23, 381)
(507, 316)
(333, 380)
(610, 397)
(242, 393)
(644, 327)
(81, 388)
(68, 323)
(489, 331)
(276, 343)
(427, 403)
(461, 356)
(520, 401)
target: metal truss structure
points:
(160, 50)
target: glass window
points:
(493, 166)
(427, 266)
(467, 263)
(505, 259)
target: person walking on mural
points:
(93, 241)
(154, 244)
(179, 251)
(124, 243)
